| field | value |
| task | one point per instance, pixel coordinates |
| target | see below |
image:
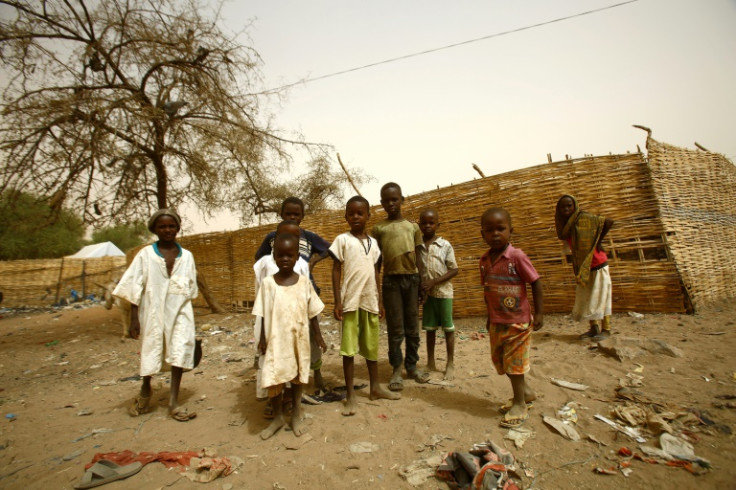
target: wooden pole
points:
(350, 179)
(477, 169)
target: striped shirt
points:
(437, 260)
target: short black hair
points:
(390, 185)
(428, 211)
(286, 238)
(292, 200)
(491, 211)
(286, 222)
(358, 199)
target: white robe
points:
(164, 308)
(286, 311)
(264, 267)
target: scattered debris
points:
(565, 430)
(569, 385)
(568, 413)
(629, 431)
(419, 471)
(623, 348)
(481, 467)
(596, 440)
(519, 435)
(363, 447)
(93, 433)
(636, 315)
(85, 411)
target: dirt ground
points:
(56, 365)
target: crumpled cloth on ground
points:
(199, 466)
(480, 469)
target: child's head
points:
(357, 212)
(391, 199)
(495, 228)
(288, 226)
(165, 224)
(286, 252)
(292, 209)
(566, 206)
(429, 221)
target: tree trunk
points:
(205, 290)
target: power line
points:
(462, 43)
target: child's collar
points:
(155, 249)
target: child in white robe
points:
(160, 284)
(290, 309)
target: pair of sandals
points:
(595, 334)
(511, 422)
(420, 377)
(142, 404)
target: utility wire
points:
(434, 50)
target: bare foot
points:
(297, 425)
(449, 372)
(431, 366)
(277, 423)
(350, 407)
(379, 393)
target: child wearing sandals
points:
(160, 284)
(290, 310)
(504, 272)
(264, 267)
(356, 257)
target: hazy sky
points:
(571, 87)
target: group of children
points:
(417, 268)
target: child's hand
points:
(135, 327)
(381, 312)
(338, 312)
(422, 297)
(488, 325)
(321, 342)
(262, 344)
(538, 322)
(427, 285)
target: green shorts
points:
(360, 334)
(437, 312)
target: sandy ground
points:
(58, 364)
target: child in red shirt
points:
(504, 272)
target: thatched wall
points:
(671, 247)
(619, 186)
(696, 193)
(43, 282)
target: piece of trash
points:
(630, 414)
(707, 380)
(52, 343)
(604, 471)
(205, 327)
(626, 471)
(298, 442)
(221, 377)
(73, 455)
(85, 411)
(629, 431)
(363, 447)
(624, 451)
(596, 440)
(639, 368)
(10, 417)
(418, 472)
(714, 333)
(568, 413)
(569, 385)
(562, 428)
(636, 315)
(382, 416)
(93, 433)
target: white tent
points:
(104, 249)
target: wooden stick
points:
(350, 179)
(477, 169)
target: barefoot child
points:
(356, 258)
(290, 310)
(312, 248)
(160, 285)
(584, 233)
(399, 240)
(264, 267)
(504, 272)
(439, 266)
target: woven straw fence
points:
(643, 270)
(696, 191)
(43, 282)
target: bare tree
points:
(120, 107)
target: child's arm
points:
(317, 333)
(559, 225)
(135, 323)
(430, 283)
(262, 343)
(538, 304)
(420, 268)
(336, 275)
(381, 311)
(607, 224)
